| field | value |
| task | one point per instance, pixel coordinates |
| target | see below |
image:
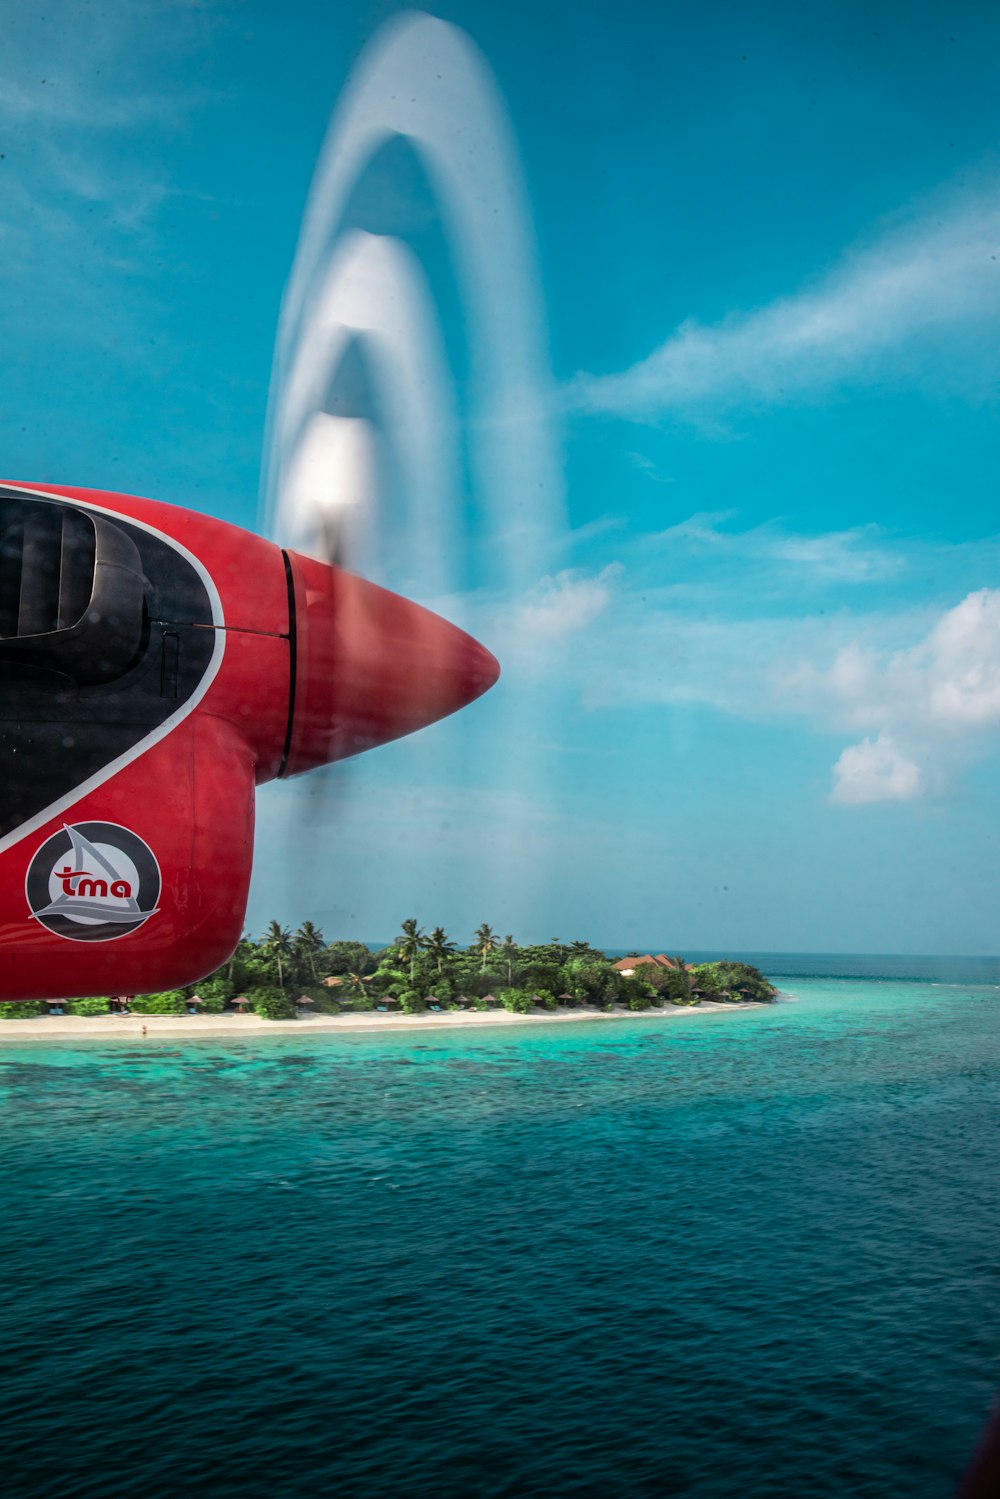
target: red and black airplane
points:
(155, 666)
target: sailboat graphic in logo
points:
(93, 882)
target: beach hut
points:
(194, 1005)
(490, 1001)
(56, 1006)
(306, 1002)
(627, 966)
(241, 1004)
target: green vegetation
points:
(733, 981)
(214, 994)
(272, 1003)
(420, 970)
(518, 1001)
(26, 1011)
(173, 1002)
(90, 1006)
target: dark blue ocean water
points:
(741, 1254)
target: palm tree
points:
(243, 949)
(507, 949)
(308, 942)
(277, 942)
(439, 945)
(485, 943)
(411, 943)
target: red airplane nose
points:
(369, 666)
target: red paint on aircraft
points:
(309, 664)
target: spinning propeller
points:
(156, 665)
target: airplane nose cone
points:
(370, 666)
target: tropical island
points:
(284, 976)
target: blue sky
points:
(751, 693)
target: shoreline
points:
(100, 1027)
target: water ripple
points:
(750, 1255)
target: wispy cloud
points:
(88, 101)
(939, 273)
(52, 102)
(113, 69)
(646, 465)
(860, 554)
(703, 529)
(564, 605)
(920, 682)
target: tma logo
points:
(92, 882)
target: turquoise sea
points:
(743, 1254)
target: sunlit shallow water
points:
(740, 1254)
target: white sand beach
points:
(151, 1027)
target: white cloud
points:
(940, 273)
(874, 771)
(565, 604)
(947, 683)
(932, 706)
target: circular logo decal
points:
(93, 882)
